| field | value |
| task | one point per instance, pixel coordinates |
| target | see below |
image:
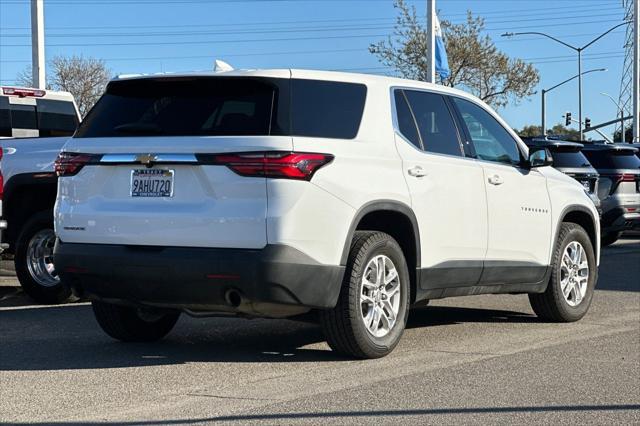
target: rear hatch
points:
(569, 159)
(619, 169)
(175, 161)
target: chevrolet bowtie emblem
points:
(146, 159)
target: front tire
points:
(573, 278)
(34, 261)
(132, 324)
(372, 309)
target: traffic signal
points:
(587, 123)
(567, 119)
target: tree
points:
(628, 135)
(557, 130)
(84, 77)
(475, 62)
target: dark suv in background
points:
(618, 187)
(569, 159)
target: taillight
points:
(618, 178)
(285, 165)
(70, 163)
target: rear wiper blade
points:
(139, 128)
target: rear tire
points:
(372, 309)
(34, 261)
(134, 325)
(573, 278)
(609, 238)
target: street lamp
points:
(545, 91)
(620, 109)
(577, 49)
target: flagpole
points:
(431, 41)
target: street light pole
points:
(579, 51)
(545, 91)
(620, 110)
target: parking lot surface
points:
(482, 359)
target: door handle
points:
(417, 171)
(496, 180)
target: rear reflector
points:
(70, 163)
(284, 165)
(23, 92)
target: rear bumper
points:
(619, 219)
(269, 281)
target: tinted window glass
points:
(437, 130)
(492, 141)
(5, 117)
(184, 107)
(569, 159)
(23, 117)
(56, 118)
(406, 123)
(326, 109)
(610, 159)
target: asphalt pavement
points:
(471, 360)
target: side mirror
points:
(539, 157)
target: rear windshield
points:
(47, 118)
(611, 159)
(566, 158)
(226, 106)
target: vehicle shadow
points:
(68, 337)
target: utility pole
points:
(37, 44)
(636, 72)
(431, 41)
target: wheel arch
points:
(26, 194)
(581, 215)
(396, 219)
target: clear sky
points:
(145, 36)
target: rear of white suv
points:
(270, 193)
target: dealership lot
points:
(472, 359)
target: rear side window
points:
(56, 118)
(24, 117)
(492, 142)
(612, 159)
(563, 158)
(405, 120)
(5, 117)
(185, 107)
(435, 123)
(48, 118)
(326, 109)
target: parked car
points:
(34, 125)
(270, 193)
(569, 159)
(618, 187)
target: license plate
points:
(152, 183)
(587, 185)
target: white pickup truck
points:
(34, 125)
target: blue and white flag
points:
(442, 63)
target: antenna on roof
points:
(220, 66)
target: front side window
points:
(491, 141)
(435, 123)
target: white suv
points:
(270, 193)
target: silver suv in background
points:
(618, 187)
